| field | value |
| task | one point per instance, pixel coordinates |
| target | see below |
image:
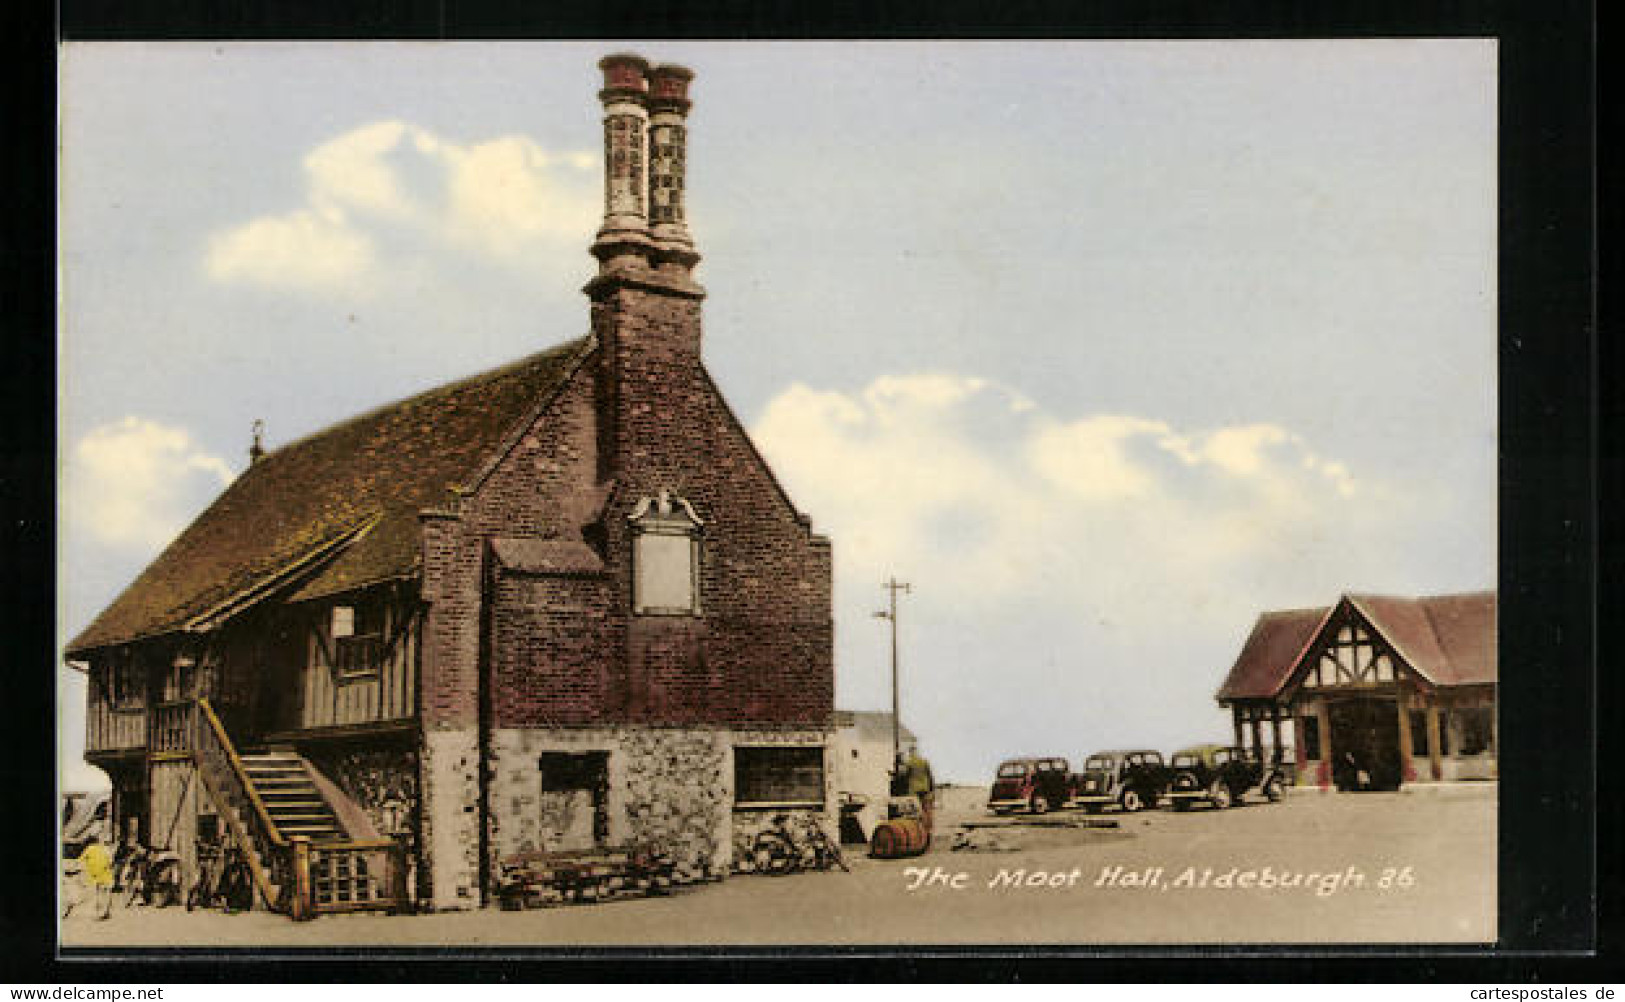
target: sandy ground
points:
(1416, 866)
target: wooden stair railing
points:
(296, 874)
(270, 856)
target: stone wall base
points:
(668, 787)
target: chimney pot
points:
(668, 82)
(624, 71)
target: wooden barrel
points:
(899, 837)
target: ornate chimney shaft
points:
(645, 157)
(623, 240)
(668, 159)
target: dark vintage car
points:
(1131, 780)
(1220, 775)
(1031, 784)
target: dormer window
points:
(358, 637)
(665, 556)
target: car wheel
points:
(1091, 808)
(1131, 801)
(1220, 796)
(1272, 789)
(1040, 804)
(1182, 805)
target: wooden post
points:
(1235, 722)
(1275, 734)
(1407, 772)
(1258, 737)
(1433, 743)
(397, 877)
(1323, 714)
(300, 907)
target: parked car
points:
(1031, 784)
(1221, 775)
(1133, 780)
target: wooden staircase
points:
(304, 861)
(296, 807)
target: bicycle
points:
(152, 876)
(777, 851)
(223, 881)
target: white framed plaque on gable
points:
(665, 556)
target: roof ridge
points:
(423, 395)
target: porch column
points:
(1258, 737)
(1275, 733)
(1235, 722)
(1324, 715)
(1433, 743)
(1407, 772)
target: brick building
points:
(559, 604)
(1402, 689)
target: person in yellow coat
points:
(96, 866)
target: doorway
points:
(574, 803)
(1365, 738)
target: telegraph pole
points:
(893, 586)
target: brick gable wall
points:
(565, 650)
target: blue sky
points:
(1104, 346)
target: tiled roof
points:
(366, 478)
(870, 725)
(1448, 639)
(547, 556)
(1274, 647)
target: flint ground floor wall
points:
(380, 778)
(672, 788)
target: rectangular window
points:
(358, 637)
(124, 683)
(1311, 737)
(779, 777)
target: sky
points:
(1104, 347)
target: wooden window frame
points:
(743, 753)
(125, 691)
(364, 644)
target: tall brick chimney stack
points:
(645, 302)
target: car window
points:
(1153, 758)
(1134, 759)
(1012, 770)
(1098, 762)
(1221, 756)
(1184, 761)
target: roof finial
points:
(256, 450)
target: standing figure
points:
(96, 867)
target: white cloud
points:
(977, 489)
(1110, 563)
(303, 249)
(393, 184)
(134, 483)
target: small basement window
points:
(780, 776)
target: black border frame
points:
(1549, 531)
